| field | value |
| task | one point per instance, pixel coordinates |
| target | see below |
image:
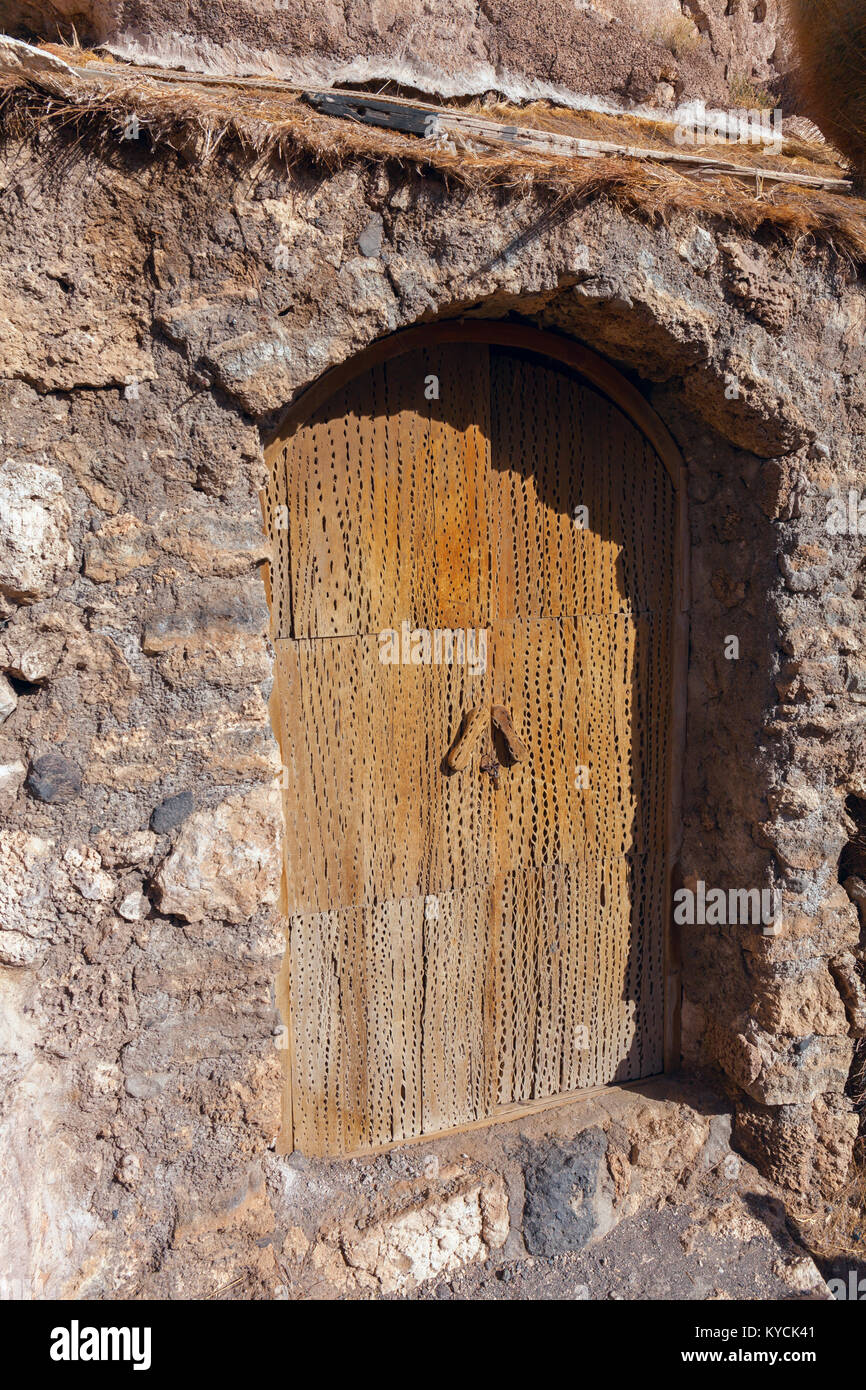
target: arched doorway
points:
(476, 596)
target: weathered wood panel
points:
(388, 1015)
(387, 500)
(374, 813)
(582, 515)
(462, 943)
(589, 698)
(576, 977)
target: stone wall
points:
(149, 343)
(623, 50)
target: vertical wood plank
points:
(387, 500)
(456, 945)
(321, 688)
(558, 447)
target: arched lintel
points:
(494, 333)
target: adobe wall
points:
(148, 344)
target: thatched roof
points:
(198, 116)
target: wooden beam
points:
(434, 122)
(389, 115)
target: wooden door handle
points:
(472, 728)
(515, 748)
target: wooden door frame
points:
(607, 379)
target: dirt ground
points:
(718, 1244)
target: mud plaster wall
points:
(148, 341)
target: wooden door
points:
(469, 526)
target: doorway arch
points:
(471, 518)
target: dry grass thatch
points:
(197, 117)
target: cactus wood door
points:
(472, 520)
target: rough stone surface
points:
(34, 525)
(8, 699)
(226, 861)
(11, 776)
(720, 1240)
(54, 778)
(172, 812)
(117, 548)
(423, 1230)
(121, 851)
(804, 1148)
(28, 918)
(49, 335)
(569, 1194)
(216, 635)
(667, 1161)
(50, 641)
(134, 906)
